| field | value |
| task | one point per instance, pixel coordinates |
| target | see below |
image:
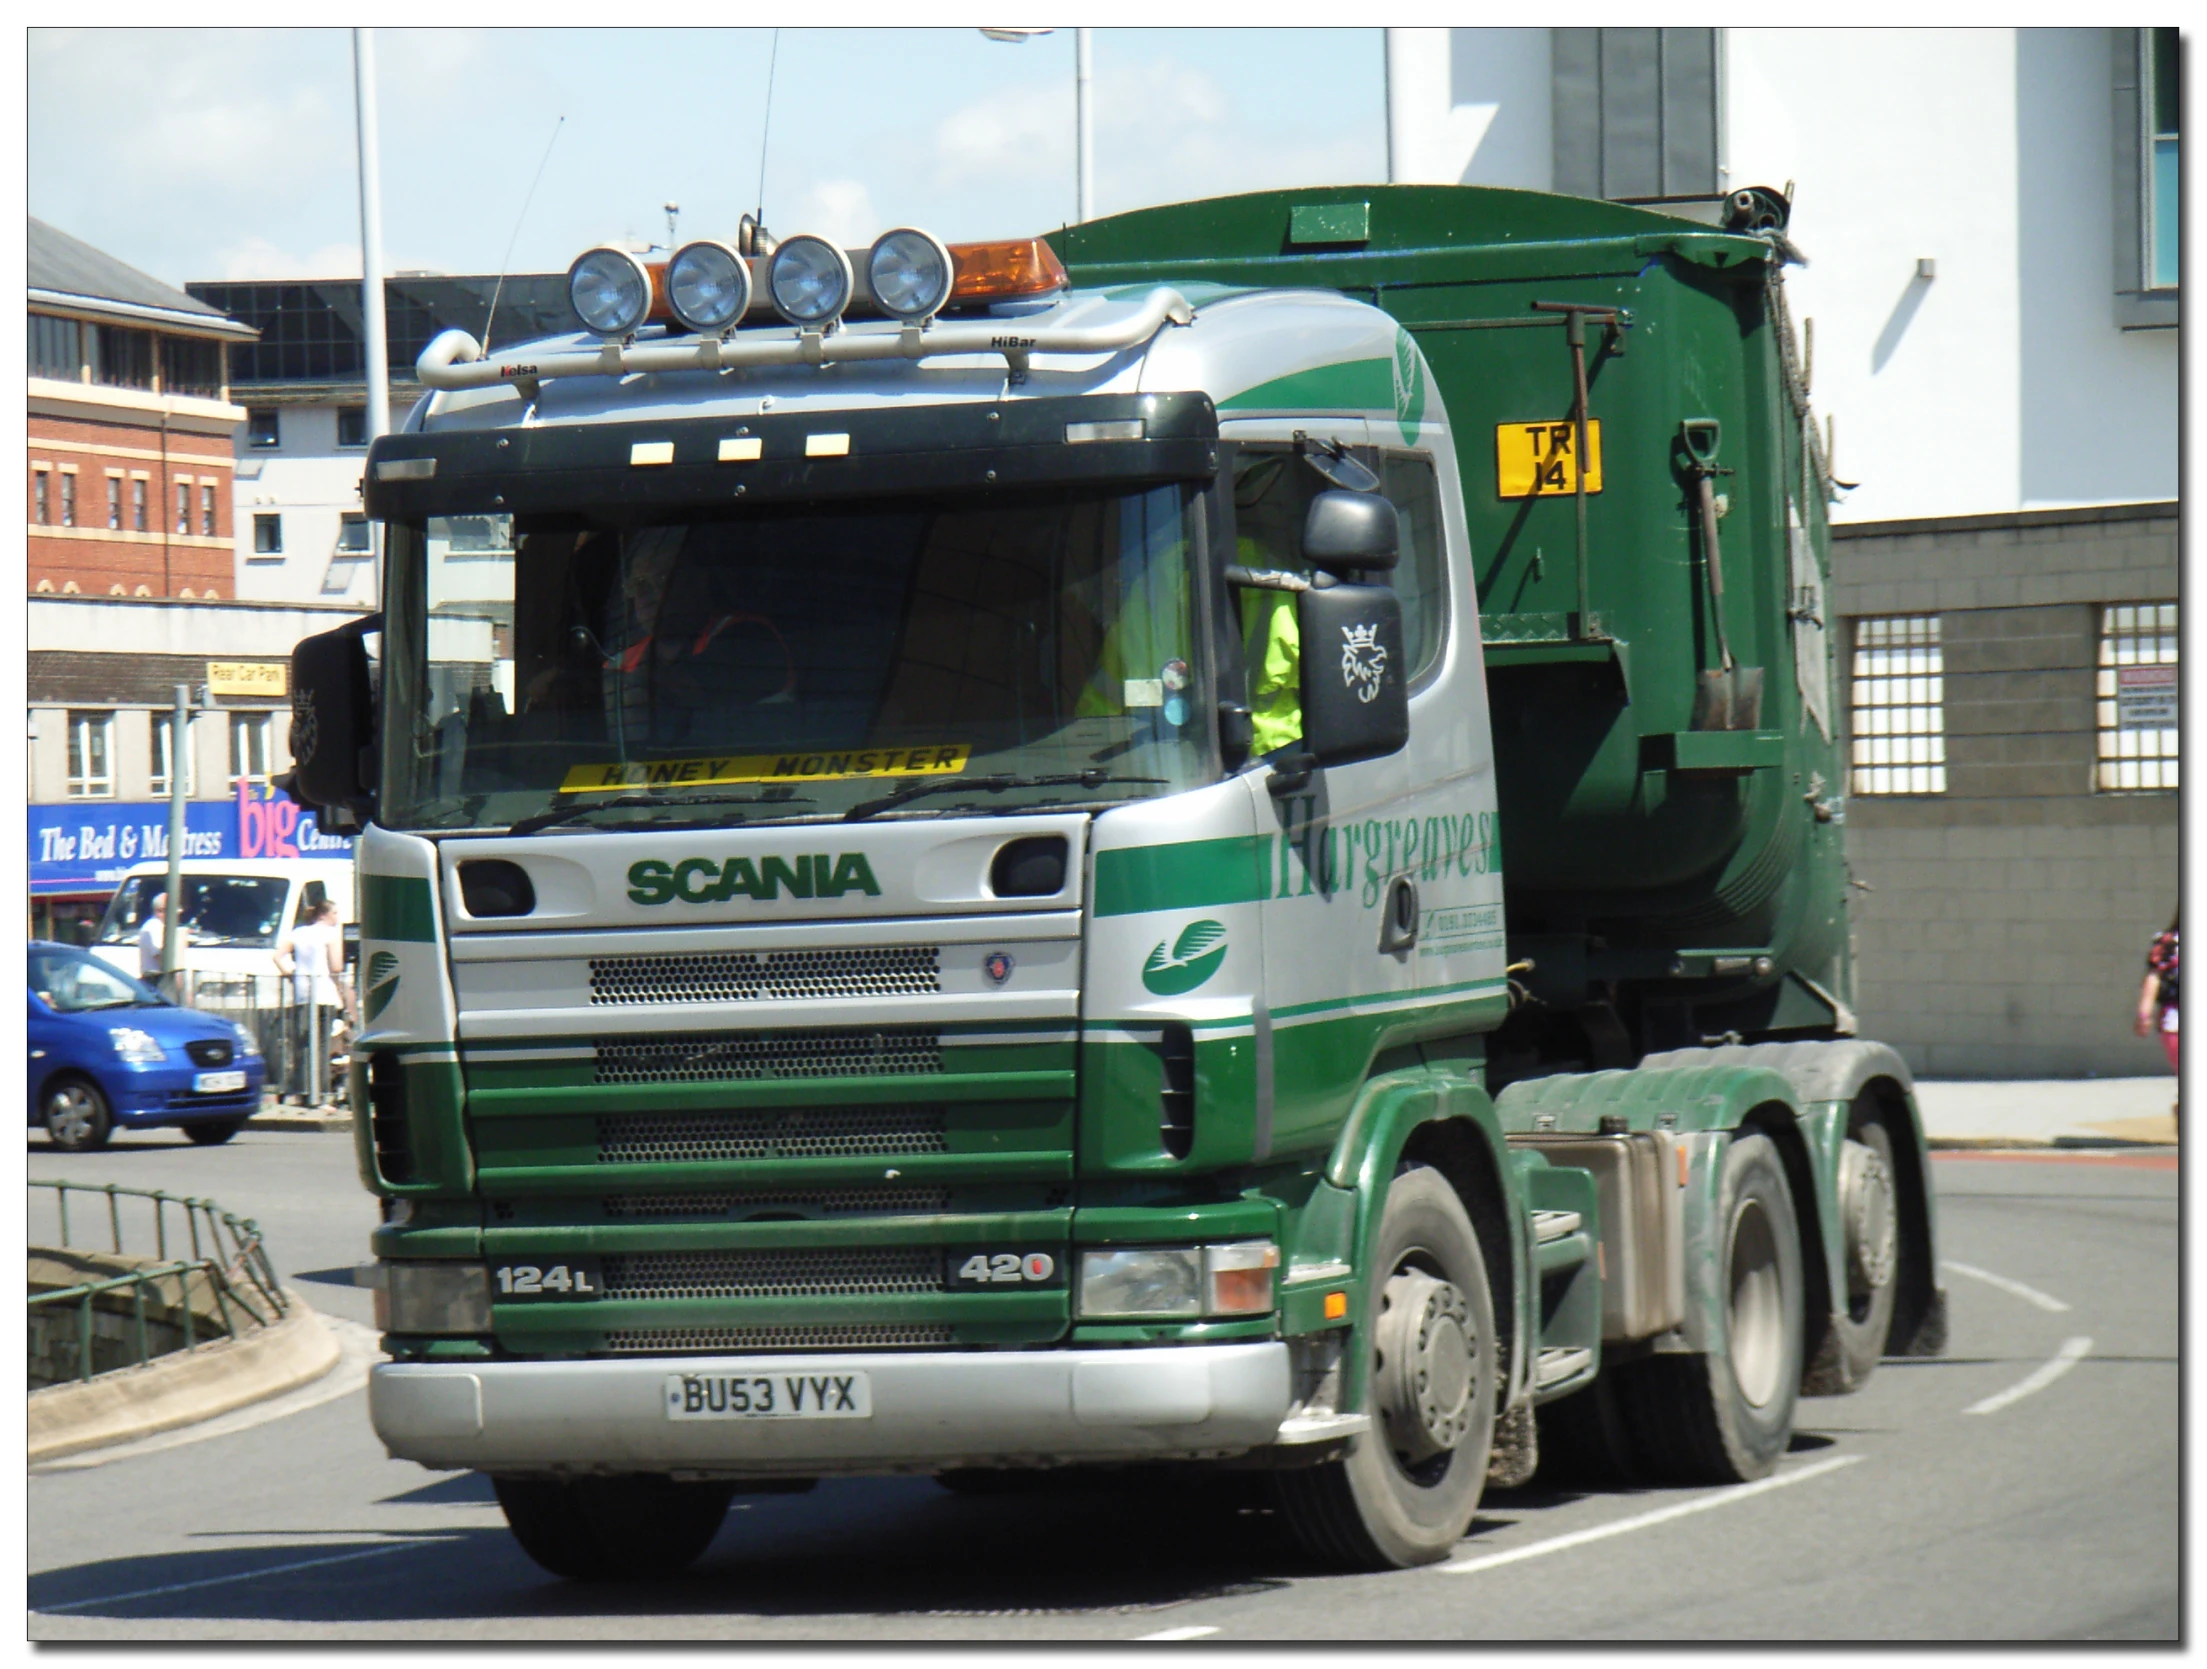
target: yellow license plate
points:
(1540, 460)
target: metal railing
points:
(230, 1263)
(305, 1046)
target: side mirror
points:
(333, 766)
(1349, 533)
(1356, 697)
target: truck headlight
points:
(1188, 1282)
(430, 1297)
(609, 290)
(910, 273)
(136, 1047)
(1142, 1281)
(708, 286)
(809, 280)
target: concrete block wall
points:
(2000, 928)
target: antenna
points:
(506, 261)
(766, 122)
(674, 213)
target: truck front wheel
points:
(1726, 1417)
(1405, 1491)
(595, 1529)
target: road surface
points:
(2024, 1486)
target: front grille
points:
(802, 1272)
(742, 977)
(808, 1133)
(703, 1057)
(210, 1051)
(855, 1335)
(820, 1202)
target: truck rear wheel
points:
(1727, 1416)
(1404, 1493)
(596, 1529)
(1864, 1288)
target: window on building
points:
(263, 430)
(352, 534)
(183, 507)
(164, 743)
(2162, 204)
(56, 348)
(1897, 708)
(191, 365)
(68, 498)
(115, 502)
(250, 734)
(206, 511)
(91, 756)
(352, 425)
(1635, 112)
(41, 497)
(2137, 697)
(268, 534)
(125, 357)
(139, 488)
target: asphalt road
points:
(2024, 1486)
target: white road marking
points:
(358, 1349)
(2068, 1356)
(239, 1576)
(1661, 1515)
(1197, 1632)
(2044, 1301)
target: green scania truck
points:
(1211, 840)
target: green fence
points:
(213, 1263)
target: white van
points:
(236, 911)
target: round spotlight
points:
(610, 291)
(708, 286)
(810, 280)
(910, 273)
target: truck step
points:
(1563, 1362)
(1554, 1225)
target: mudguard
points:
(1391, 1109)
(1828, 1078)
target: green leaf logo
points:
(1194, 958)
(382, 982)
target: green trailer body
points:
(746, 1110)
(1670, 879)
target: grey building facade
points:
(2002, 910)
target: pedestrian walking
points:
(311, 957)
(2157, 997)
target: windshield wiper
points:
(1090, 778)
(566, 814)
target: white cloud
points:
(1025, 134)
(840, 210)
(258, 258)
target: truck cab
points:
(932, 900)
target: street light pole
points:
(180, 734)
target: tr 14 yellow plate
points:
(1538, 460)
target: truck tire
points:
(1865, 1286)
(1584, 1441)
(1404, 1493)
(599, 1529)
(1726, 1417)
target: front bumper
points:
(164, 1095)
(931, 1410)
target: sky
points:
(230, 153)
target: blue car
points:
(109, 1052)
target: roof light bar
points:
(455, 359)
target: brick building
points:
(130, 423)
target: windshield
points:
(218, 910)
(792, 663)
(70, 982)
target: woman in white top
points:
(312, 957)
